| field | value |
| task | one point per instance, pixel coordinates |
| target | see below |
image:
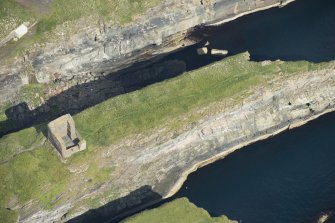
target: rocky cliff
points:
(287, 102)
(95, 51)
(87, 57)
(149, 168)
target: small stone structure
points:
(64, 136)
(21, 31)
(218, 52)
(16, 34)
(202, 51)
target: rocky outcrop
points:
(66, 99)
(284, 104)
(281, 106)
(100, 50)
(163, 164)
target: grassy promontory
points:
(55, 12)
(7, 215)
(62, 16)
(177, 211)
(31, 171)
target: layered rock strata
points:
(162, 166)
(107, 48)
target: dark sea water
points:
(303, 30)
(289, 178)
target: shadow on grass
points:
(120, 208)
(80, 97)
(269, 35)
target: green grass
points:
(9, 8)
(18, 142)
(97, 175)
(172, 104)
(11, 16)
(8, 216)
(161, 104)
(32, 94)
(39, 174)
(120, 11)
(36, 174)
(3, 116)
(177, 211)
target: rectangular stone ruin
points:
(64, 136)
(21, 31)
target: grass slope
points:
(7, 216)
(12, 15)
(57, 12)
(64, 13)
(31, 170)
(162, 104)
(121, 11)
(177, 211)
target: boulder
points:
(219, 52)
(202, 51)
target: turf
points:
(64, 13)
(177, 211)
(11, 16)
(21, 141)
(121, 12)
(162, 104)
(8, 216)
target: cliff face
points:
(149, 168)
(91, 54)
(285, 103)
(96, 51)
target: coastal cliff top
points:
(177, 211)
(51, 13)
(52, 19)
(34, 177)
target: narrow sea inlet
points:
(288, 178)
(147, 127)
(302, 30)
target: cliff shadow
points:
(79, 97)
(117, 210)
(303, 30)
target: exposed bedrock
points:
(108, 48)
(72, 99)
(161, 168)
(284, 104)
